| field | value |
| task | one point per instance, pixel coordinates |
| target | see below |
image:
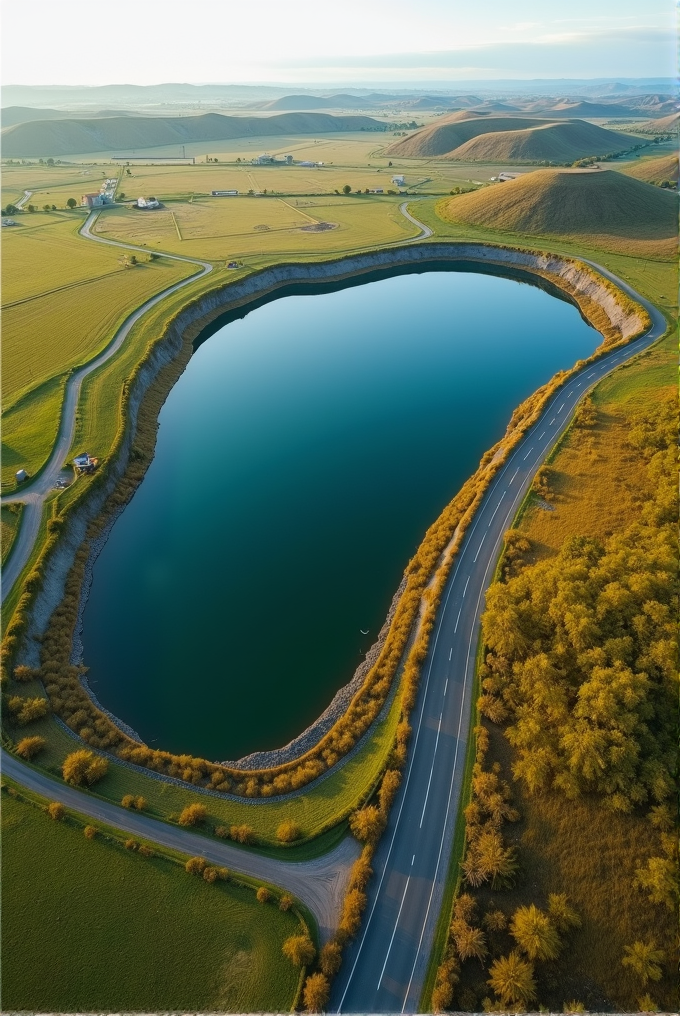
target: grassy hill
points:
(570, 202)
(452, 132)
(75, 136)
(472, 137)
(663, 124)
(551, 142)
(665, 167)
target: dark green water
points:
(300, 458)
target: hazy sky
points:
(151, 41)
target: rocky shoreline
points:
(562, 274)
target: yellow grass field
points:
(44, 253)
(223, 228)
(51, 183)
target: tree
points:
(263, 894)
(330, 958)
(645, 960)
(31, 208)
(299, 949)
(288, 831)
(286, 902)
(495, 920)
(53, 208)
(512, 979)
(71, 203)
(367, 824)
(195, 865)
(128, 801)
(347, 189)
(90, 832)
(28, 747)
(140, 803)
(534, 933)
(562, 914)
(659, 878)
(193, 814)
(388, 789)
(46, 208)
(133, 259)
(56, 810)
(316, 993)
(469, 941)
(84, 767)
(647, 1004)
(210, 874)
(11, 210)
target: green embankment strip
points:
(11, 520)
(320, 812)
(109, 919)
(9, 606)
(29, 430)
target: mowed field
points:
(90, 926)
(223, 228)
(64, 298)
(53, 184)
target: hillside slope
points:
(650, 170)
(570, 202)
(552, 142)
(74, 137)
(452, 132)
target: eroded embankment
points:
(81, 532)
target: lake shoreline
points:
(573, 282)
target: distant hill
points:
(551, 142)
(664, 125)
(588, 110)
(450, 133)
(24, 114)
(303, 102)
(76, 136)
(665, 167)
(571, 202)
(487, 138)
(496, 107)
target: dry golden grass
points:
(662, 167)
(223, 228)
(598, 481)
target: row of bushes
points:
(72, 703)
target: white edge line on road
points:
(396, 925)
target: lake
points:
(300, 458)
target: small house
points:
(399, 180)
(148, 203)
(507, 176)
(224, 193)
(85, 463)
(92, 200)
(22, 476)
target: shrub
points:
(195, 865)
(645, 960)
(286, 902)
(263, 895)
(495, 920)
(388, 789)
(330, 958)
(242, 834)
(367, 824)
(84, 767)
(352, 909)
(210, 874)
(147, 851)
(534, 933)
(193, 814)
(28, 747)
(128, 801)
(222, 832)
(288, 831)
(299, 949)
(131, 844)
(56, 810)
(22, 673)
(140, 803)
(512, 979)
(90, 832)
(316, 992)
(26, 710)
(562, 914)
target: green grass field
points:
(10, 519)
(90, 926)
(53, 184)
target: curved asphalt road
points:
(33, 495)
(384, 969)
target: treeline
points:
(582, 651)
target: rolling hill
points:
(75, 136)
(562, 143)
(665, 124)
(588, 110)
(488, 138)
(571, 202)
(665, 167)
(450, 133)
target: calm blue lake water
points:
(300, 458)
